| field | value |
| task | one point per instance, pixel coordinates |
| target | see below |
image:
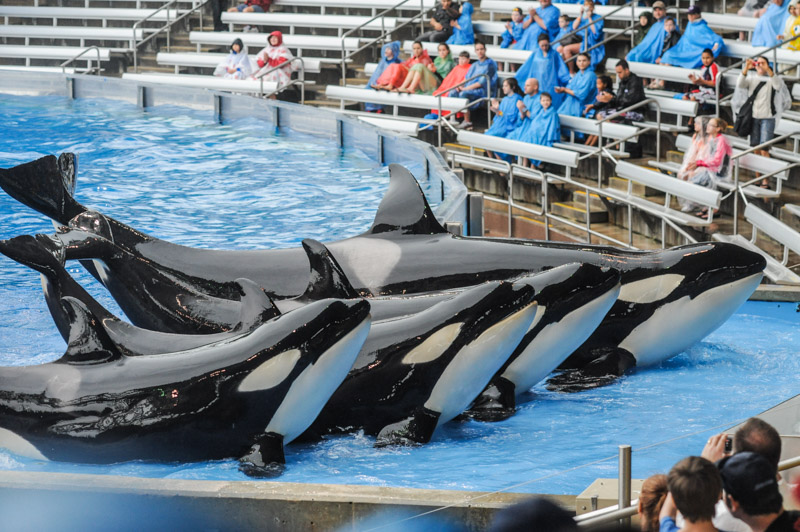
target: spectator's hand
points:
(559, 89)
(658, 61)
(508, 26)
(604, 97)
(748, 64)
(521, 106)
(693, 78)
(668, 509)
(780, 37)
(432, 67)
(715, 446)
(588, 107)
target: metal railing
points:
(604, 151)
(631, 4)
(89, 61)
(301, 79)
(441, 120)
(381, 38)
(167, 27)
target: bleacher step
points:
(575, 210)
(790, 215)
(595, 203)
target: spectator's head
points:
(545, 3)
(604, 83)
(545, 100)
(762, 66)
(275, 38)
(511, 86)
(757, 436)
(463, 58)
(446, 4)
(694, 13)
(443, 50)
(544, 42)
(651, 498)
(716, 126)
(669, 25)
(583, 61)
(466, 9)
(701, 125)
(237, 46)
(516, 15)
(645, 19)
(536, 514)
(416, 49)
(531, 86)
(588, 6)
(696, 486)
(563, 21)
(391, 50)
(707, 57)
(480, 50)
(659, 9)
(751, 485)
(622, 69)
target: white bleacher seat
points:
(374, 5)
(503, 55)
(211, 60)
(729, 21)
(502, 9)
(397, 99)
(203, 82)
(670, 106)
(590, 126)
(672, 187)
(741, 50)
(667, 73)
(517, 148)
(303, 20)
(79, 33)
(256, 41)
(776, 270)
(52, 52)
(86, 13)
(401, 126)
(57, 70)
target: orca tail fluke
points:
(40, 252)
(45, 185)
(265, 458)
(415, 430)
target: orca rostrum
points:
(669, 299)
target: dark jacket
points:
(629, 92)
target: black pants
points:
(436, 36)
(217, 6)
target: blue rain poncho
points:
(770, 25)
(530, 37)
(507, 117)
(514, 35)
(590, 39)
(465, 34)
(531, 102)
(551, 71)
(545, 129)
(697, 37)
(584, 85)
(487, 66)
(395, 47)
(649, 49)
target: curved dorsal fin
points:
(326, 278)
(257, 307)
(88, 341)
(404, 207)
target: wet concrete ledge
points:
(61, 501)
(776, 292)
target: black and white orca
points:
(669, 299)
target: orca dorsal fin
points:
(326, 278)
(404, 207)
(88, 341)
(257, 307)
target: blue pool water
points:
(179, 176)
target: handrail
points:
(167, 27)
(631, 4)
(384, 33)
(68, 61)
(601, 43)
(470, 104)
(646, 101)
(301, 78)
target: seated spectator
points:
(443, 14)
(650, 48)
(706, 82)
(591, 36)
(476, 90)
(390, 54)
(514, 29)
(545, 127)
(528, 109)
(506, 115)
(792, 27)
(671, 37)
(546, 66)
(695, 487)
(605, 92)
(581, 89)
(251, 6)
(712, 165)
(462, 26)
(561, 40)
(771, 24)
(645, 22)
(425, 78)
(629, 92)
(236, 65)
(272, 55)
(751, 8)
(651, 498)
(751, 493)
(457, 75)
(543, 20)
(696, 38)
(395, 73)
(697, 148)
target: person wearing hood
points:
(792, 27)
(236, 65)
(390, 54)
(645, 22)
(425, 78)
(462, 27)
(545, 128)
(696, 38)
(396, 73)
(272, 55)
(771, 24)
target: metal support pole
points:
(624, 499)
(736, 198)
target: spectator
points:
(536, 514)
(591, 36)
(545, 128)
(561, 41)
(605, 91)
(236, 65)
(425, 78)
(651, 498)
(477, 89)
(706, 82)
(645, 22)
(697, 37)
(712, 165)
(507, 116)
(751, 8)
(751, 493)
(771, 24)
(390, 54)
(543, 20)
(650, 48)
(697, 148)
(443, 14)
(671, 37)
(457, 75)
(514, 29)
(252, 6)
(528, 108)
(581, 89)
(395, 74)
(462, 26)
(791, 27)
(272, 55)
(629, 92)
(546, 66)
(695, 487)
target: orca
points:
(243, 397)
(669, 298)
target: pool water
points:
(179, 176)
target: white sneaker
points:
(464, 125)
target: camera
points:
(728, 444)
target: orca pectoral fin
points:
(88, 341)
(496, 403)
(404, 207)
(257, 307)
(326, 278)
(610, 364)
(45, 185)
(414, 430)
(265, 458)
